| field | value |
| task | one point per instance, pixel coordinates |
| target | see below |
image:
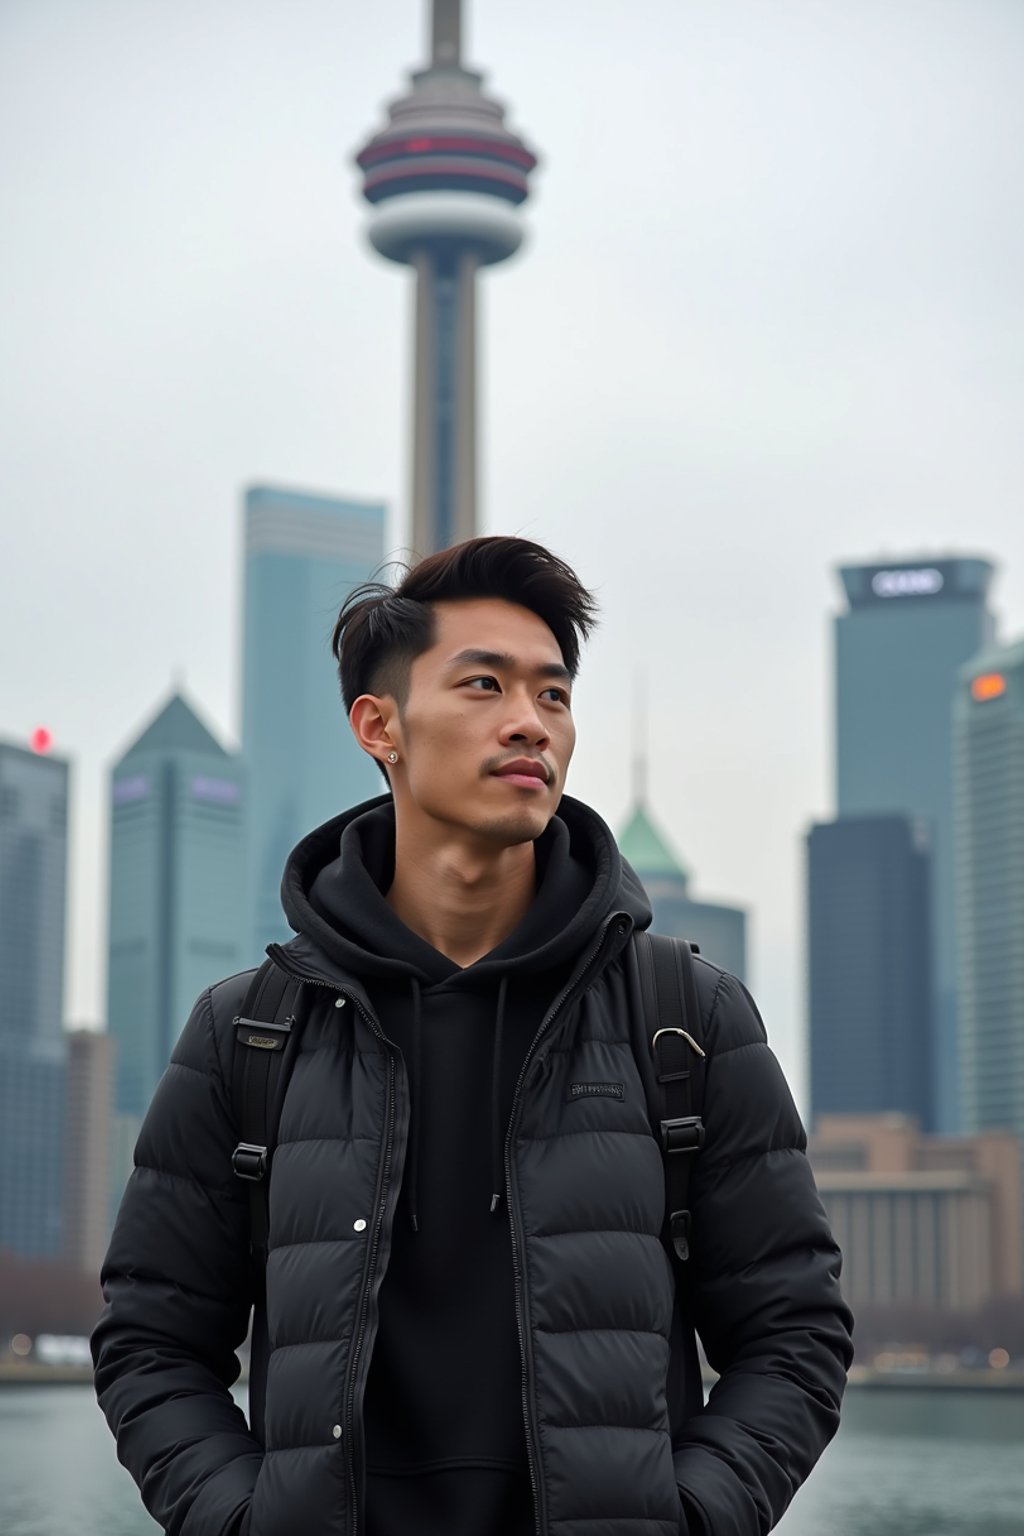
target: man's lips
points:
(527, 771)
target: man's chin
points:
(522, 825)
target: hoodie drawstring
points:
(414, 1161)
(497, 1174)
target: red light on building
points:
(988, 686)
(41, 739)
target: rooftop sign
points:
(924, 582)
(990, 685)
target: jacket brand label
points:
(596, 1090)
(264, 1042)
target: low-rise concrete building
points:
(922, 1220)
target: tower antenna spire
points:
(445, 33)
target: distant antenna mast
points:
(446, 33)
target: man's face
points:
(486, 732)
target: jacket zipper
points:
(525, 1350)
(364, 1298)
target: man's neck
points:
(462, 900)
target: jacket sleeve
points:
(178, 1292)
(764, 1289)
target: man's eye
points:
(558, 694)
(486, 684)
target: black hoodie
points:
(443, 1412)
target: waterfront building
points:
(88, 1119)
(32, 1087)
(910, 624)
(33, 889)
(719, 931)
(868, 970)
(445, 180)
(176, 898)
(303, 555)
(921, 1220)
(33, 882)
(988, 715)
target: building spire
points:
(640, 750)
(446, 33)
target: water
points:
(903, 1464)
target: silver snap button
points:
(339, 1002)
(336, 1431)
(360, 1225)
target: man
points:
(468, 1324)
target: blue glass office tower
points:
(33, 1053)
(909, 626)
(869, 988)
(445, 180)
(303, 555)
(989, 834)
(177, 911)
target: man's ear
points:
(374, 723)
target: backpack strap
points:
(266, 1037)
(673, 1023)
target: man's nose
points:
(525, 725)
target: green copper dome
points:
(647, 850)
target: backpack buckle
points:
(684, 1135)
(679, 1229)
(261, 1035)
(249, 1161)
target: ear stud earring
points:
(392, 757)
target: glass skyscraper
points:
(177, 913)
(908, 627)
(33, 877)
(303, 555)
(868, 928)
(989, 833)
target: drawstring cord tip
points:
(495, 1202)
(414, 1221)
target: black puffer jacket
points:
(618, 1442)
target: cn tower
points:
(445, 180)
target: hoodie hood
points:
(336, 880)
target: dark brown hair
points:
(382, 629)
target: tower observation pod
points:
(445, 180)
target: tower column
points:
(422, 499)
(444, 409)
(465, 408)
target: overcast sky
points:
(770, 316)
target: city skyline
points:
(783, 348)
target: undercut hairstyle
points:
(382, 629)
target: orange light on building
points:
(988, 686)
